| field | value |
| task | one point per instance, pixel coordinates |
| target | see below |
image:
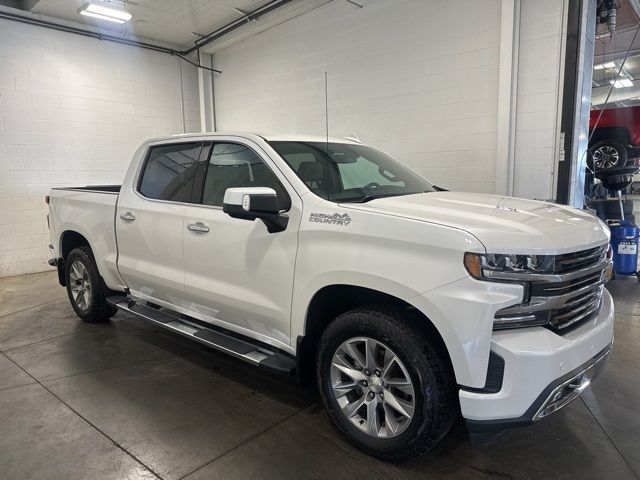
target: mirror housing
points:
(249, 203)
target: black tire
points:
(616, 147)
(97, 309)
(436, 405)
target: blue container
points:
(624, 243)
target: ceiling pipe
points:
(99, 36)
(82, 31)
(231, 26)
(201, 42)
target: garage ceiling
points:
(627, 16)
(177, 22)
(609, 57)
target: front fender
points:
(463, 313)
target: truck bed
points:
(90, 212)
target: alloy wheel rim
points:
(372, 387)
(606, 157)
(80, 285)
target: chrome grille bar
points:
(583, 316)
(592, 300)
(577, 302)
(586, 256)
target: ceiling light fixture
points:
(104, 13)
(622, 83)
(604, 66)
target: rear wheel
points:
(85, 287)
(607, 155)
(384, 385)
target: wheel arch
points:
(69, 240)
(333, 300)
(610, 133)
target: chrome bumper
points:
(571, 389)
(557, 395)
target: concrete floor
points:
(126, 400)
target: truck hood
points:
(502, 224)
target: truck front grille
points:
(576, 310)
(569, 262)
(565, 298)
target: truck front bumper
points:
(543, 372)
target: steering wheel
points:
(371, 185)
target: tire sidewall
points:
(419, 372)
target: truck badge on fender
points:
(335, 219)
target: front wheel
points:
(85, 287)
(384, 385)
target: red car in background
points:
(616, 139)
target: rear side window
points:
(234, 165)
(169, 172)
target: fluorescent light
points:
(622, 83)
(101, 17)
(604, 66)
(104, 13)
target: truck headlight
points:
(488, 265)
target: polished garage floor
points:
(126, 400)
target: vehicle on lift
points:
(328, 259)
(615, 137)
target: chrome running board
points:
(243, 349)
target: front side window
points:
(234, 165)
(169, 172)
(343, 172)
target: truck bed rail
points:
(112, 189)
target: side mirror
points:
(249, 203)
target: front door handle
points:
(198, 227)
(127, 217)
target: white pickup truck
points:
(327, 259)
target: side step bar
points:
(273, 361)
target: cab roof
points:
(270, 137)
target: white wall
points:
(418, 79)
(539, 92)
(72, 112)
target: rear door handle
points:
(127, 217)
(198, 227)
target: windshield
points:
(342, 172)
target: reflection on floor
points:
(125, 400)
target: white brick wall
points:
(418, 79)
(538, 88)
(72, 112)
